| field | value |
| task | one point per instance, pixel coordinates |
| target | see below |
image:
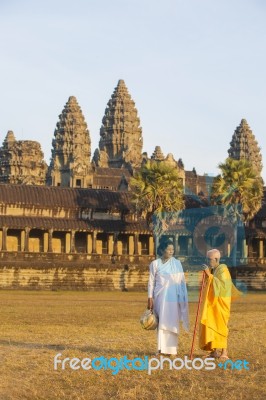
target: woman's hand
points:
(150, 303)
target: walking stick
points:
(197, 316)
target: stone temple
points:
(71, 149)
(245, 146)
(120, 151)
(121, 135)
(21, 162)
(72, 225)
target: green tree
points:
(157, 189)
(240, 190)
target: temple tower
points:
(157, 155)
(21, 162)
(71, 149)
(121, 135)
(244, 145)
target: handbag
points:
(149, 320)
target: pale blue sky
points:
(194, 68)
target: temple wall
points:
(74, 278)
(131, 277)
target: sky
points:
(194, 68)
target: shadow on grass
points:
(32, 345)
(85, 349)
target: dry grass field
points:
(35, 326)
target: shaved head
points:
(214, 253)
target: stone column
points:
(244, 249)
(4, 235)
(89, 243)
(68, 242)
(261, 251)
(131, 245)
(22, 240)
(189, 247)
(176, 244)
(110, 244)
(27, 234)
(72, 242)
(247, 247)
(136, 244)
(94, 242)
(45, 242)
(50, 239)
(151, 246)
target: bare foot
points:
(224, 355)
(214, 354)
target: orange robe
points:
(215, 312)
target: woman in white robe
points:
(167, 297)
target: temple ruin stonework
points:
(72, 225)
(121, 135)
(21, 162)
(245, 146)
(71, 149)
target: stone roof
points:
(63, 224)
(194, 201)
(110, 177)
(52, 196)
(117, 172)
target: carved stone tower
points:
(21, 162)
(244, 145)
(71, 149)
(121, 135)
(157, 155)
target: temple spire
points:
(121, 135)
(157, 155)
(71, 148)
(245, 146)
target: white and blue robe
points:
(167, 287)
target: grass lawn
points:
(35, 326)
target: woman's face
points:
(169, 251)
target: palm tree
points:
(239, 189)
(157, 189)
